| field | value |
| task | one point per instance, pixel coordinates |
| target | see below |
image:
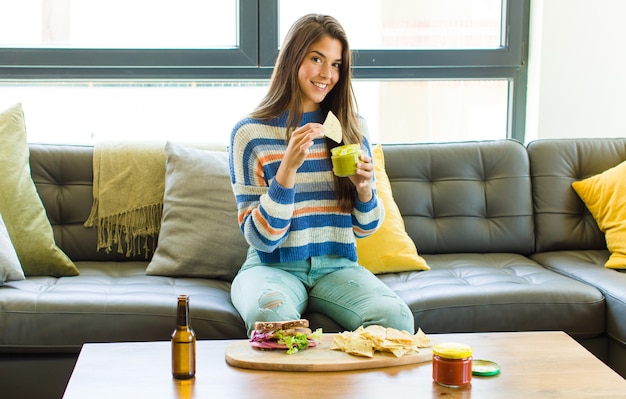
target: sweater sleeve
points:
(265, 208)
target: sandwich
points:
(293, 335)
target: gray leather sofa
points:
(510, 245)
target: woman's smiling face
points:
(319, 72)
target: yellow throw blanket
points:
(128, 187)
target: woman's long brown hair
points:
(284, 91)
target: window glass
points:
(119, 23)
(87, 112)
(434, 111)
(396, 111)
(407, 24)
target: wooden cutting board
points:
(320, 358)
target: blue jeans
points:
(335, 286)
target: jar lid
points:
(485, 368)
(452, 350)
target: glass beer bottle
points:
(183, 342)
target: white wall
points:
(576, 69)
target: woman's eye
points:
(316, 59)
(337, 65)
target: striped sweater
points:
(291, 224)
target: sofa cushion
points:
(199, 236)
(588, 267)
(463, 197)
(10, 268)
(389, 249)
(21, 207)
(498, 292)
(605, 197)
(110, 302)
(562, 220)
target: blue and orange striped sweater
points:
(291, 224)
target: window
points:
(119, 24)
(425, 70)
(408, 24)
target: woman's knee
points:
(391, 312)
(275, 305)
(264, 294)
(270, 305)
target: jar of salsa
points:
(452, 364)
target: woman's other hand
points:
(362, 180)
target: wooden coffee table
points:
(533, 364)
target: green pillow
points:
(21, 208)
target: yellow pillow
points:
(389, 249)
(605, 197)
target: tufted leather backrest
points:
(454, 197)
(464, 197)
(562, 220)
(63, 175)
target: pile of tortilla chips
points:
(366, 341)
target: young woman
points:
(298, 217)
